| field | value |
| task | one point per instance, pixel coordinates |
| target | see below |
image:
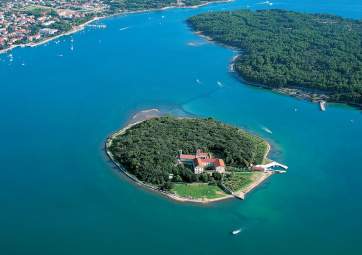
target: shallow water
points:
(60, 195)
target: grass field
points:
(198, 190)
(237, 181)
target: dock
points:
(275, 164)
(269, 167)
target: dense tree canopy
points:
(148, 150)
(134, 5)
(313, 52)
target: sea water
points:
(60, 195)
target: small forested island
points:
(316, 56)
(189, 159)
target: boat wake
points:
(266, 3)
(267, 130)
(123, 28)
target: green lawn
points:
(237, 181)
(198, 190)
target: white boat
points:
(322, 105)
(220, 84)
(236, 231)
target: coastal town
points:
(30, 22)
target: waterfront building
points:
(202, 162)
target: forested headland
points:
(137, 5)
(148, 150)
(316, 53)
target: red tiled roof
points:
(215, 161)
(198, 162)
(221, 163)
(202, 159)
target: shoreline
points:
(144, 115)
(245, 191)
(82, 26)
(313, 96)
(32, 45)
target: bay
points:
(60, 195)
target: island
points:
(33, 22)
(313, 56)
(190, 159)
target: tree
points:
(167, 186)
(217, 176)
(204, 177)
(316, 53)
(148, 150)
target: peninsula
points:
(189, 159)
(313, 56)
(33, 22)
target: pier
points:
(275, 164)
(269, 167)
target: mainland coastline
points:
(81, 27)
(145, 115)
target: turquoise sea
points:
(60, 195)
